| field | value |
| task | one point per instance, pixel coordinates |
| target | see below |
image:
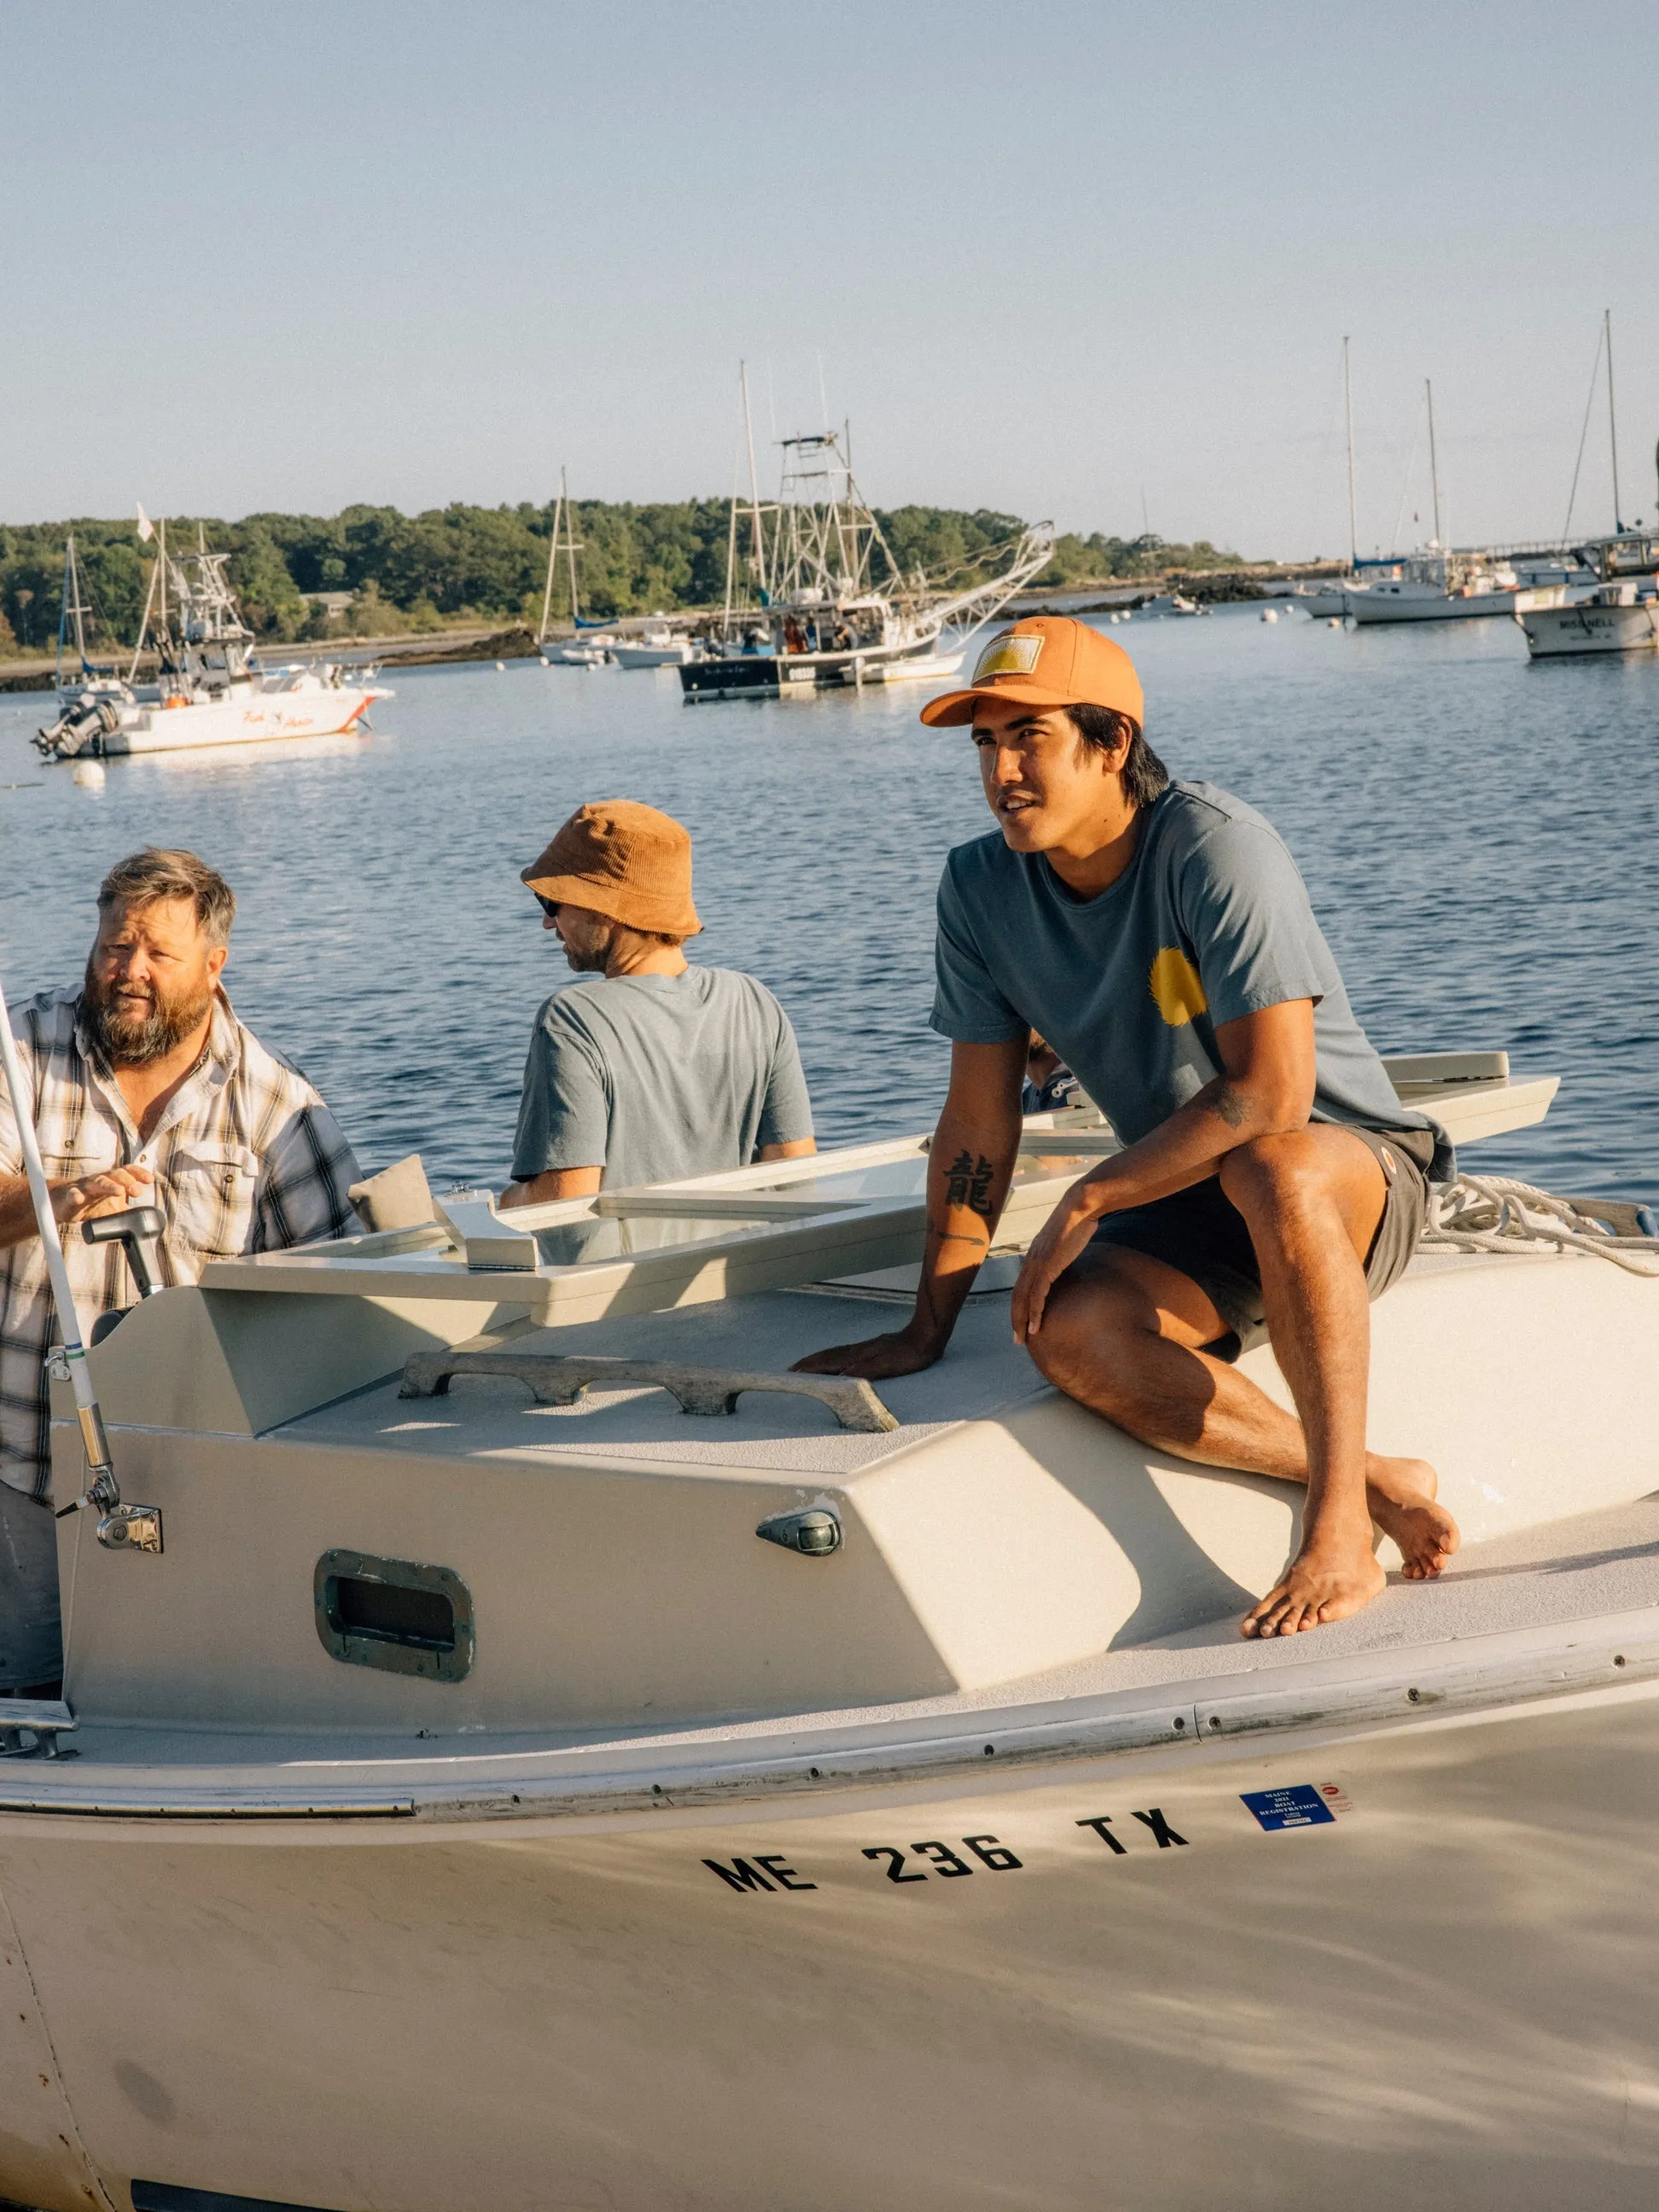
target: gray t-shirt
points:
(1210, 921)
(654, 1078)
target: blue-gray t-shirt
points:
(1210, 921)
(654, 1078)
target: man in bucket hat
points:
(648, 1069)
(1159, 936)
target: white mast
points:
(144, 627)
(1347, 405)
(731, 559)
(758, 550)
(80, 610)
(1434, 473)
(570, 545)
(562, 508)
(1612, 423)
(552, 557)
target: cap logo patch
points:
(1009, 656)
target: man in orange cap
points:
(1159, 937)
(648, 1069)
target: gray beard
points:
(132, 1041)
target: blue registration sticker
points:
(1299, 1807)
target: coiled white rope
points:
(1494, 1214)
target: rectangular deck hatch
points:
(398, 1614)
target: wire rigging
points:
(1595, 370)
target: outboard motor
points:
(81, 728)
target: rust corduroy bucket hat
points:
(625, 861)
(1047, 661)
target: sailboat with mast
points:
(1437, 583)
(1620, 613)
(72, 616)
(575, 651)
(815, 596)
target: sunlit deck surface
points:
(1576, 1568)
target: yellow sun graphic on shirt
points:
(1176, 987)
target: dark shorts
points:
(1201, 1232)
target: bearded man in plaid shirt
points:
(146, 1090)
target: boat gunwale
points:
(1527, 1669)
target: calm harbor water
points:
(1480, 837)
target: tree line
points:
(460, 563)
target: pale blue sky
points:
(293, 255)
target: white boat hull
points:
(1552, 633)
(652, 656)
(798, 675)
(1444, 1992)
(972, 1864)
(1377, 606)
(320, 713)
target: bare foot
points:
(1325, 1585)
(1400, 1494)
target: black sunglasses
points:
(549, 907)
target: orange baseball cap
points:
(1047, 661)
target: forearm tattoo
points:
(968, 1185)
(968, 1182)
(1232, 1104)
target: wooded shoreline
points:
(475, 642)
(371, 572)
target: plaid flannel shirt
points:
(245, 1156)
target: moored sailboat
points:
(577, 651)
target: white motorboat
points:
(654, 646)
(578, 652)
(210, 691)
(1619, 617)
(1168, 603)
(491, 1794)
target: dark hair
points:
(162, 873)
(1103, 729)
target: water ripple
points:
(1479, 837)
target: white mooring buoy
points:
(89, 773)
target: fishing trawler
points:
(209, 690)
(522, 1743)
(817, 598)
